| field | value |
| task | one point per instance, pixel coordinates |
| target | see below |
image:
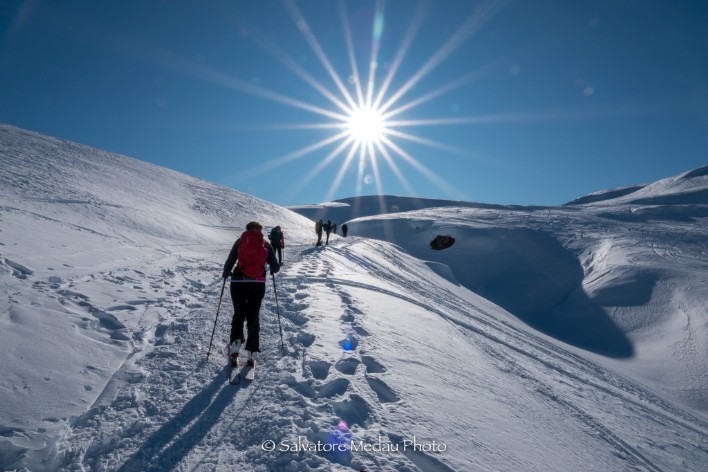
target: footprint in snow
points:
(295, 317)
(319, 369)
(347, 365)
(353, 410)
(382, 390)
(372, 365)
(334, 388)
(360, 331)
(310, 389)
(306, 339)
(293, 307)
(350, 343)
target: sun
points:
(366, 111)
(366, 125)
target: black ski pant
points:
(279, 251)
(247, 298)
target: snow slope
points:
(689, 188)
(621, 278)
(93, 251)
(111, 275)
(630, 295)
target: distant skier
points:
(318, 230)
(277, 240)
(345, 228)
(328, 229)
(250, 253)
(334, 228)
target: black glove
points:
(274, 270)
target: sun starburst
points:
(366, 125)
(364, 118)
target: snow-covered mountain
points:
(341, 211)
(689, 188)
(570, 338)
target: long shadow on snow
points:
(532, 276)
(151, 457)
(529, 274)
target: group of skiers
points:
(328, 228)
(246, 266)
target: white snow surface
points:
(570, 338)
(340, 211)
(688, 188)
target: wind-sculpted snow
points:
(685, 189)
(605, 195)
(73, 184)
(390, 362)
(605, 280)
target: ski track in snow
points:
(221, 425)
(167, 408)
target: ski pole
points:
(277, 307)
(217, 317)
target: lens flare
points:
(339, 439)
(349, 343)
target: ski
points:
(241, 371)
(248, 372)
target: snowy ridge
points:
(111, 302)
(689, 188)
(604, 195)
(341, 211)
(77, 183)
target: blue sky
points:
(525, 102)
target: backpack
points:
(252, 254)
